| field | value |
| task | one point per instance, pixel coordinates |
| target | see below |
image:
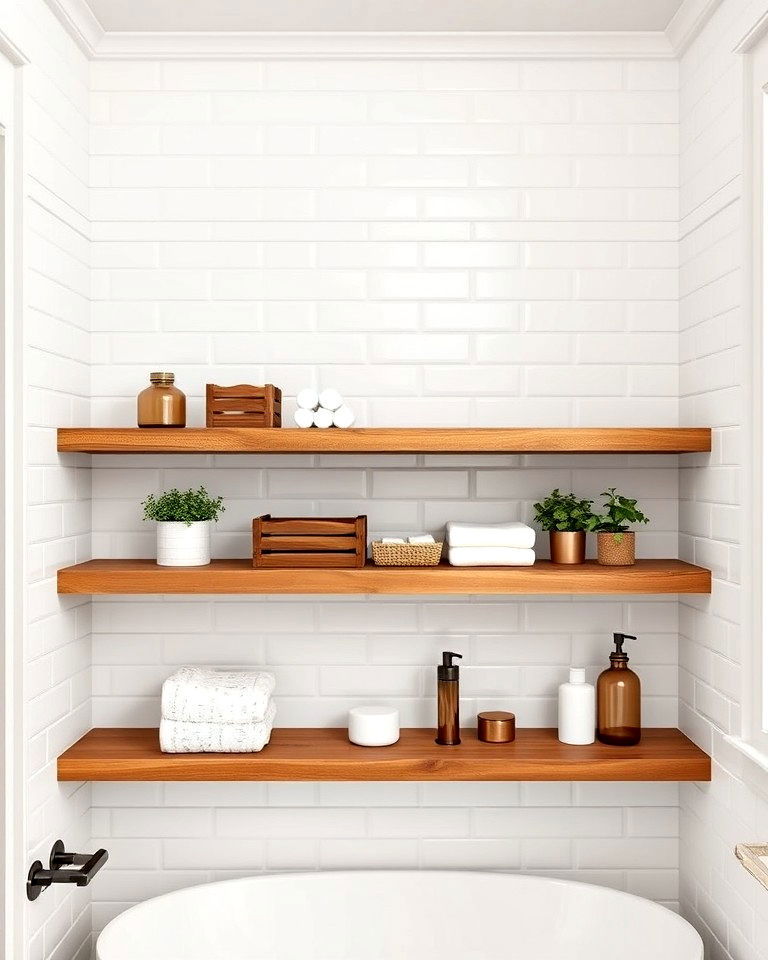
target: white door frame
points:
(12, 560)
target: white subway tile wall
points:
(728, 906)
(457, 243)
(54, 115)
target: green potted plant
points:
(183, 525)
(568, 520)
(615, 541)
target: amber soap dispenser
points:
(618, 699)
(448, 731)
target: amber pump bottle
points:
(448, 732)
(618, 699)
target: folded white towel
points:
(343, 417)
(303, 418)
(203, 695)
(490, 557)
(422, 538)
(514, 534)
(307, 399)
(180, 736)
(331, 399)
(323, 418)
(392, 540)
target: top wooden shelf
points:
(386, 440)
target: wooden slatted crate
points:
(309, 541)
(243, 405)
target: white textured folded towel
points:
(180, 736)
(303, 418)
(392, 540)
(203, 695)
(343, 417)
(307, 399)
(323, 418)
(331, 399)
(514, 534)
(422, 538)
(490, 557)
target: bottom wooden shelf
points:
(326, 754)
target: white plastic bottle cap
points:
(578, 675)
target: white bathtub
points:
(398, 915)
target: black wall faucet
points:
(39, 879)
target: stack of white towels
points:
(324, 409)
(490, 544)
(217, 711)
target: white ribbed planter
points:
(183, 545)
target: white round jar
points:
(375, 726)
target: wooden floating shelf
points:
(387, 440)
(327, 754)
(239, 576)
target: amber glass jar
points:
(161, 404)
(618, 704)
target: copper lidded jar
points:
(161, 404)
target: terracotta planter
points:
(616, 549)
(567, 547)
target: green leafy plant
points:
(188, 506)
(564, 512)
(620, 512)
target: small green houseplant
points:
(568, 520)
(184, 520)
(615, 541)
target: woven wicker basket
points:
(406, 554)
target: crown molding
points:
(80, 22)
(350, 46)
(98, 44)
(688, 23)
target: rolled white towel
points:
(343, 417)
(490, 557)
(422, 538)
(303, 417)
(204, 695)
(331, 399)
(307, 399)
(323, 418)
(181, 736)
(514, 534)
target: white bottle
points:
(576, 709)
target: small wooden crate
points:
(243, 405)
(309, 541)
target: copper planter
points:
(616, 549)
(567, 547)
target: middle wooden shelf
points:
(109, 753)
(240, 577)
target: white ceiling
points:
(384, 15)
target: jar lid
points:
(161, 377)
(496, 726)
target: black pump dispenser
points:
(449, 670)
(448, 732)
(619, 653)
